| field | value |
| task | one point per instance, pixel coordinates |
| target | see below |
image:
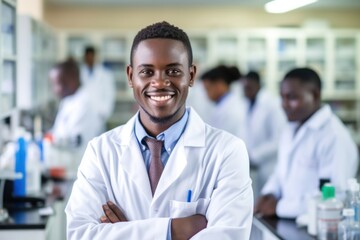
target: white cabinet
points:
(334, 54)
(37, 44)
(8, 56)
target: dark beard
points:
(160, 120)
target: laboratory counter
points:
(276, 228)
(45, 222)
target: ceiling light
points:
(281, 6)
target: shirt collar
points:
(170, 136)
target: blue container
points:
(20, 167)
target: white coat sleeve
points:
(84, 209)
(230, 211)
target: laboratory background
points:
(39, 158)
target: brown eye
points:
(173, 72)
(146, 72)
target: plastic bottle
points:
(328, 214)
(33, 168)
(346, 226)
(313, 201)
(348, 194)
(20, 167)
(354, 200)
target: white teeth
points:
(160, 98)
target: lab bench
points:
(28, 223)
(277, 229)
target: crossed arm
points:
(181, 228)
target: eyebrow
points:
(168, 65)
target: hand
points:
(113, 213)
(266, 205)
(187, 227)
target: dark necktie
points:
(156, 165)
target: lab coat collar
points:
(194, 134)
(319, 118)
(316, 121)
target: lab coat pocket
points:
(186, 209)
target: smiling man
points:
(165, 174)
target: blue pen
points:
(189, 196)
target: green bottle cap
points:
(328, 191)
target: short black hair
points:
(253, 76)
(234, 72)
(162, 30)
(90, 49)
(304, 75)
(219, 73)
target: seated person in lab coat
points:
(165, 173)
(264, 122)
(228, 112)
(315, 144)
(75, 124)
(99, 81)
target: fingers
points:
(113, 213)
(104, 219)
(110, 214)
(117, 211)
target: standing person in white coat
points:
(264, 122)
(99, 81)
(228, 112)
(74, 124)
(204, 191)
(314, 145)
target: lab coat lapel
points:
(193, 136)
(132, 160)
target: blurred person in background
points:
(264, 122)
(100, 83)
(228, 111)
(315, 144)
(75, 123)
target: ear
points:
(129, 73)
(317, 95)
(192, 75)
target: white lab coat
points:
(322, 148)
(263, 127)
(211, 163)
(74, 118)
(101, 86)
(229, 115)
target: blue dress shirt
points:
(170, 137)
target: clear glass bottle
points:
(346, 225)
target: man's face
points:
(299, 101)
(89, 59)
(57, 83)
(251, 88)
(160, 78)
(212, 89)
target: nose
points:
(284, 103)
(160, 80)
